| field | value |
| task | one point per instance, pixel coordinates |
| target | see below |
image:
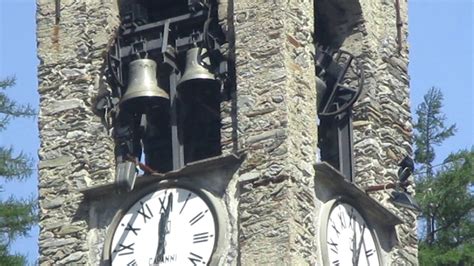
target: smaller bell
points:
(143, 92)
(197, 73)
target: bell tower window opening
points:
(167, 74)
(339, 82)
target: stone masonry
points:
(270, 117)
(276, 113)
(76, 150)
(382, 120)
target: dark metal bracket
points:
(335, 108)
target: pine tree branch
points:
(11, 108)
(7, 82)
(16, 218)
(14, 167)
(449, 224)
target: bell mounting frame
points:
(162, 31)
(333, 68)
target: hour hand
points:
(161, 240)
(162, 230)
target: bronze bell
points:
(143, 92)
(197, 71)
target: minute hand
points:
(356, 261)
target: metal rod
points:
(142, 166)
(386, 186)
(177, 146)
(344, 137)
(166, 32)
(181, 44)
(399, 26)
(150, 26)
(380, 187)
(57, 11)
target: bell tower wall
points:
(268, 117)
(76, 150)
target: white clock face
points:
(349, 238)
(172, 226)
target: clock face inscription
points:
(349, 239)
(172, 226)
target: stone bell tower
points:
(269, 118)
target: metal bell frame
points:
(161, 41)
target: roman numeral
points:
(128, 249)
(162, 203)
(333, 225)
(201, 237)
(186, 201)
(333, 246)
(351, 218)
(194, 258)
(132, 263)
(198, 217)
(145, 212)
(369, 252)
(342, 219)
(131, 228)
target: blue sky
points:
(441, 37)
(441, 55)
(18, 57)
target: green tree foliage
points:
(446, 195)
(430, 129)
(430, 132)
(17, 216)
(450, 198)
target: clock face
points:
(349, 239)
(171, 226)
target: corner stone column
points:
(276, 98)
(76, 151)
(382, 119)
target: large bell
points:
(143, 92)
(197, 73)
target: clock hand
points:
(161, 239)
(162, 232)
(366, 258)
(354, 248)
(360, 245)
